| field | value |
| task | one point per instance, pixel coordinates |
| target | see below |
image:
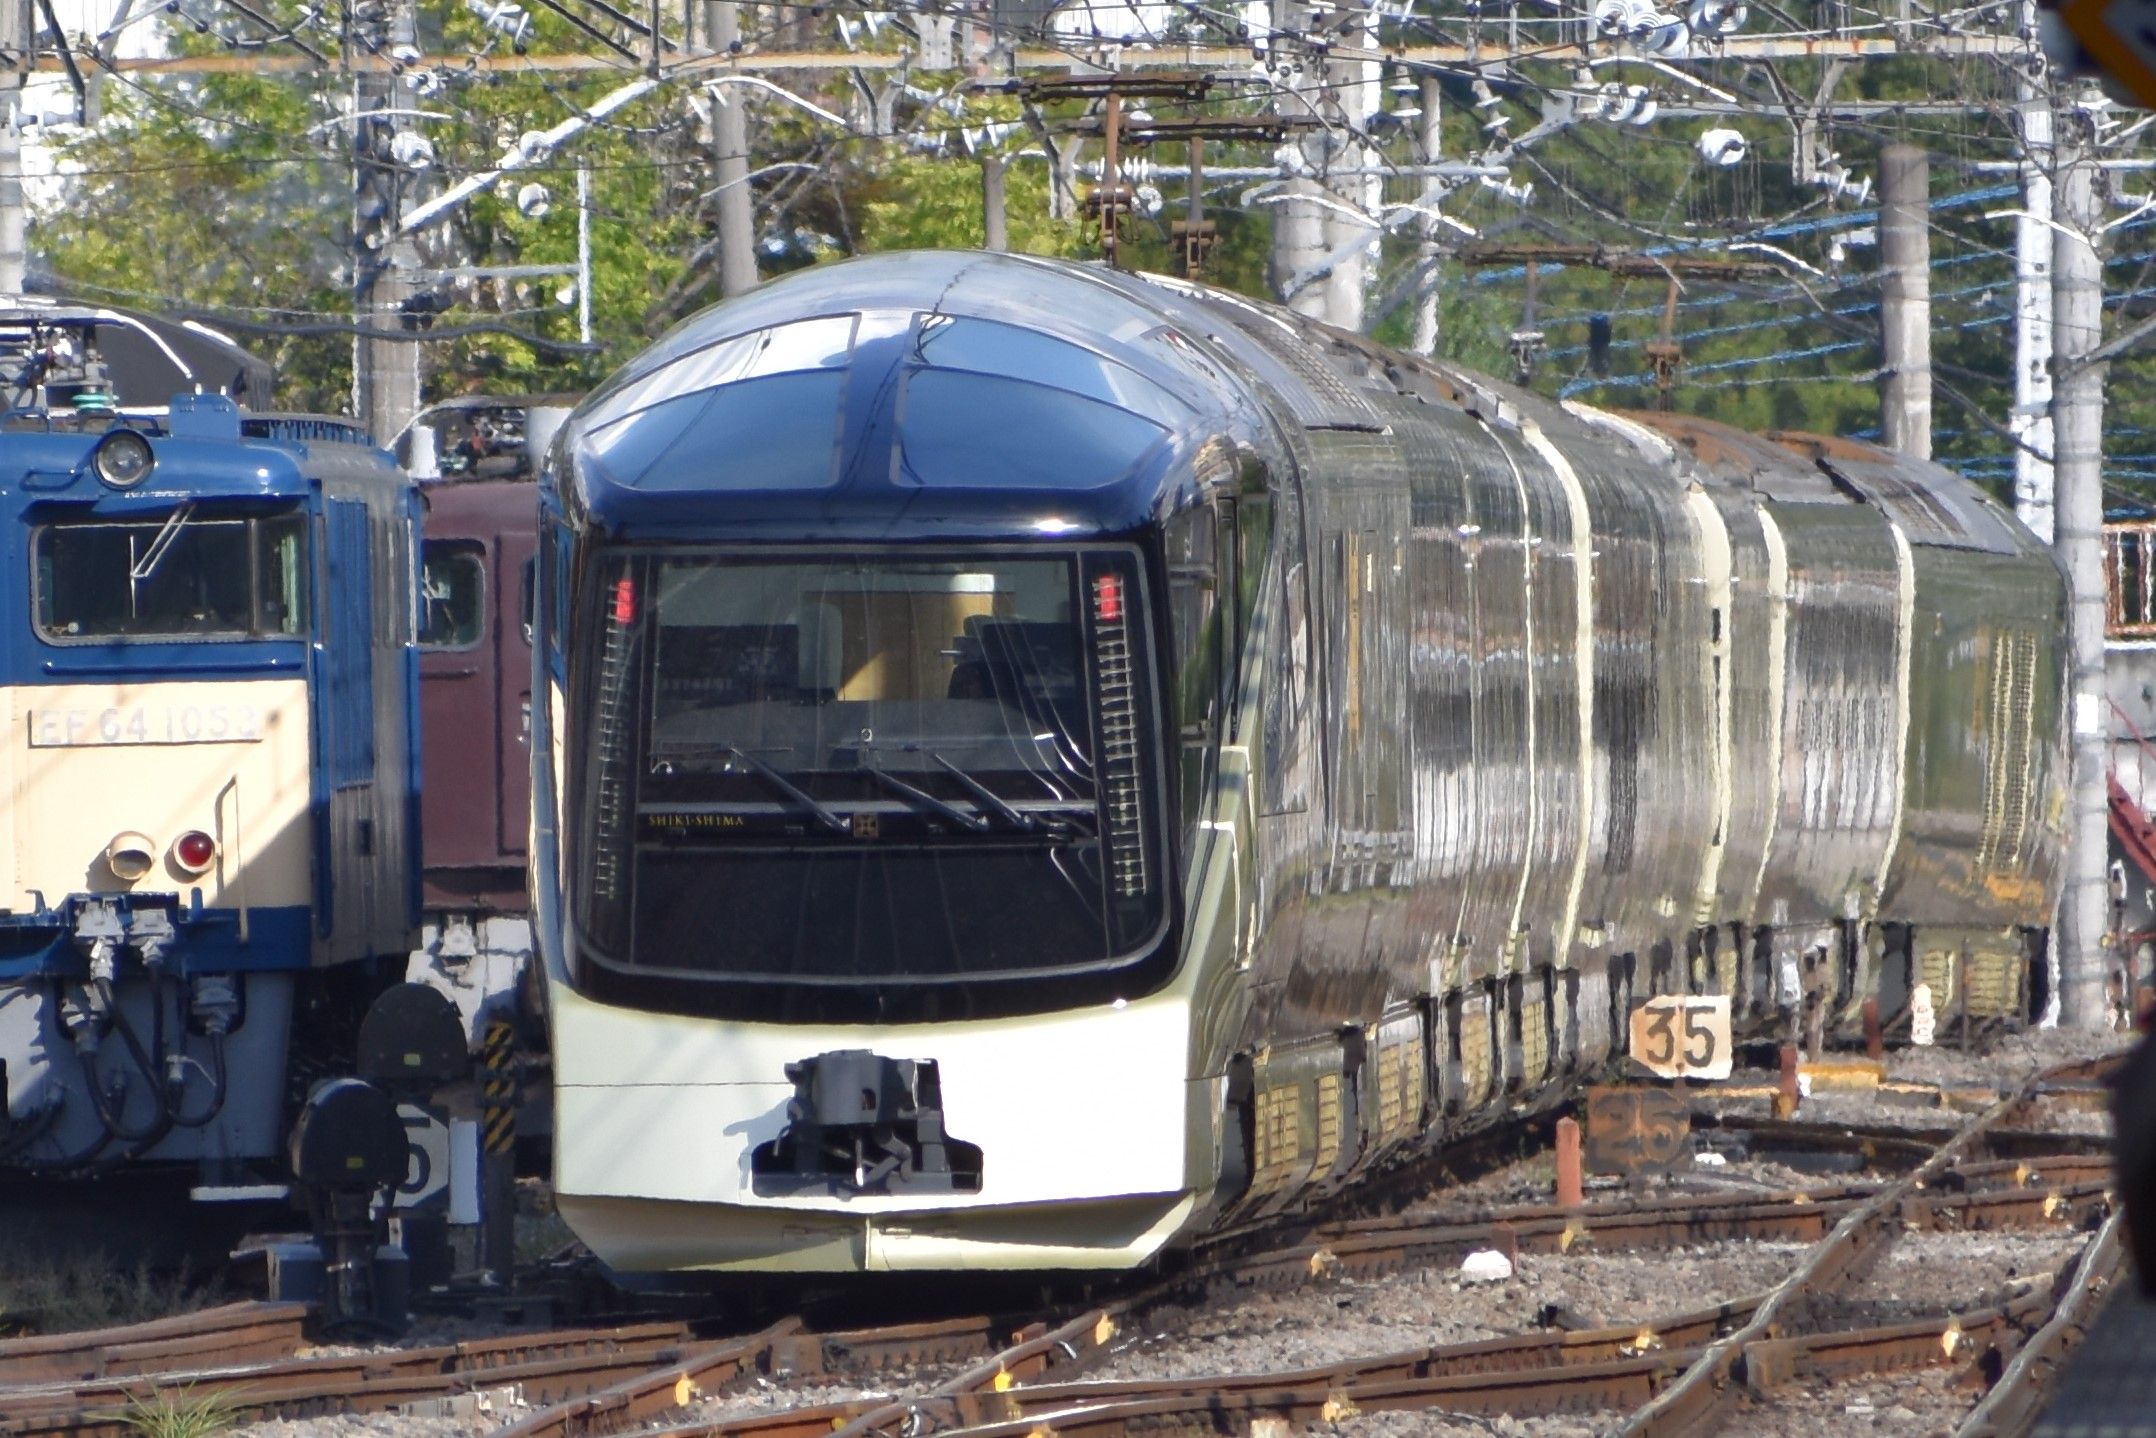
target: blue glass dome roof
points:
(924, 393)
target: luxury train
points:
(1039, 762)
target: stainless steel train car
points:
(210, 775)
(1039, 761)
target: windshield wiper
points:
(989, 799)
(922, 799)
(143, 568)
(808, 805)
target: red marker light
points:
(194, 851)
(625, 600)
(1108, 598)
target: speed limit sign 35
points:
(1683, 1036)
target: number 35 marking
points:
(1683, 1036)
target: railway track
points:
(1664, 1375)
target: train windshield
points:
(891, 770)
(199, 572)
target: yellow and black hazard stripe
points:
(498, 1089)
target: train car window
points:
(825, 343)
(192, 574)
(1286, 789)
(1199, 622)
(1193, 603)
(526, 576)
(779, 432)
(453, 588)
(986, 347)
(1043, 436)
(1246, 535)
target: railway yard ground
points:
(1916, 1251)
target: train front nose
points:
(868, 948)
(1075, 1139)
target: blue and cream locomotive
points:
(208, 847)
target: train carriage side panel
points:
(1525, 897)
(1560, 536)
(1359, 509)
(1442, 700)
(475, 690)
(365, 662)
(1985, 781)
(1971, 868)
(1491, 541)
(1754, 613)
(1747, 612)
(1493, 605)
(1841, 764)
(1655, 708)
(1844, 643)
(1497, 849)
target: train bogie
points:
(1422, 729)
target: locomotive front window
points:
(903, 771)
(190, 574)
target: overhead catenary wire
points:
(455, 171)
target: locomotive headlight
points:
(123, 459)
(130, 855)
(193, 853)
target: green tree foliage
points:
(167, 210)
(922, 202)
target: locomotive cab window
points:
(453, 591)
(196, 573)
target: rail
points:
(1676, 1373)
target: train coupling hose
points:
(86, 1015)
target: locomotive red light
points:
(194, 851)
(1108, 598)
(625, 600)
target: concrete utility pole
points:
(1352, 89)
(1431, 141)
(1299, 219)
(1905, 298)
(730, 152)
(2077, 412)
(1318, 218)
(1299, 245)
(995, 226)
(2031, 419)
(385, 372)
(15, 35)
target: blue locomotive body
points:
(210, 839)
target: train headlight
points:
(123, 459)
(130, 855)
(193, 853)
